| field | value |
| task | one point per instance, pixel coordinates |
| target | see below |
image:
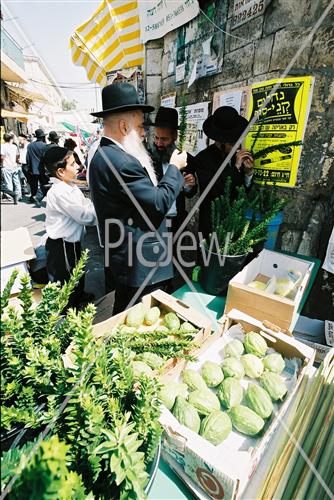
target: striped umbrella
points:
(109, 40)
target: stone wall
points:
(264, 47)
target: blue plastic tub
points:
(273, 228)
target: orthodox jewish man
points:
(165, 135)
(129, 200)
(225, 127)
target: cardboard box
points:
(16, 250)
(280, 311)
(167, 303)
(223, 471)
(312, 333)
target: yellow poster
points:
(282, 122)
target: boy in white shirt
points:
(67, 214)
(10, 169)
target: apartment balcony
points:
(12, 61)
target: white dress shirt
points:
(67, 212)
(9, 152)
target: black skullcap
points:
(55, 154)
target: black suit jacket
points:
(207, 163)
(181, 212)
(135, 253)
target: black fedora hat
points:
(225, 125)
(167, 117)
(39, 133)
(53, 136)
(120, 97)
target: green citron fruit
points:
(152, 316)
(162, 329)
(204, 401)
(274, 363)
(274, 385)
(186, 414)
(151, 359)
(212, 374)
(253, 365)
(135, 316)
(234, 348)
(188, 328)
(255, 344)
(232, 367)
(169, 392)
(172, 321)
(140, 368)
(216, 427)
(230, 392)
(246, 420)
(193, 379)
(259, 400)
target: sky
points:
(48, 25)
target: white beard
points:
(133, 145)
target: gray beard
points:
(163, 155)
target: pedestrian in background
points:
(23, 147)
(9, 159)
(38, 179)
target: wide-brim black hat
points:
(225, 125)
(167, 117)
(53, 136)
(39, 133)
(120, 97)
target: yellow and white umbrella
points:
(109, 40)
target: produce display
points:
(286, 286)
(236, 395)
(103, 411)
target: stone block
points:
(153, 61)
(321, 92)
(168, 85)
(155, 44)
(310, 241)
(164, 66)
(153, 84)
(237, 65)
(291, 240)
(323, 47)
(286, 44)
(246, 33)
(262, 55)
(168, 39)
(281, 13)
(153, 100)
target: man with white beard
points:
(130, 204)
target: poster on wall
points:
(282, 122)
(245, 11)
(168, 100)
(237, 98)
(158, 17)
(130, 75)
(196, 139)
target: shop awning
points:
(27, 94)
(73, 128)
(109, 40)
(22, 117)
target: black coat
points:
(181, 212)
(35, 152)
(112, 202)
(207, 163)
